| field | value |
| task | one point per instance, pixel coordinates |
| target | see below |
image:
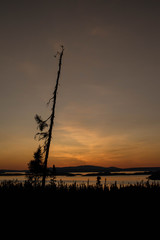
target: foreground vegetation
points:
(54, 189)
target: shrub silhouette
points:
(35, 167)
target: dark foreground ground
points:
(85, 208)
(101, 193)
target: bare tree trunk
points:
(52, 118)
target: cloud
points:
(99, 31)
(29, 68)
(65, 161)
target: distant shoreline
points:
(90, 170)
(79, 174)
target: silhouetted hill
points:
(91, 168)
(146, 169)
(86, 168)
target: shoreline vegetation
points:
(56, 189)
(78, 174)
(33, 186)
(89, 170)
(74, 198)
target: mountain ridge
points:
(91, 168)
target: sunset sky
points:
(108, 103)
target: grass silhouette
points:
(61, 188)
(61, 199)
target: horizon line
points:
(87, 165)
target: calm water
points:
(133, 179)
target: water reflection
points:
(80, 178)
(104, 179)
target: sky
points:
(107, 111)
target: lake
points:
(81, 179)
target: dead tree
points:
(47, 135)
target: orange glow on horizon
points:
(74, 146)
